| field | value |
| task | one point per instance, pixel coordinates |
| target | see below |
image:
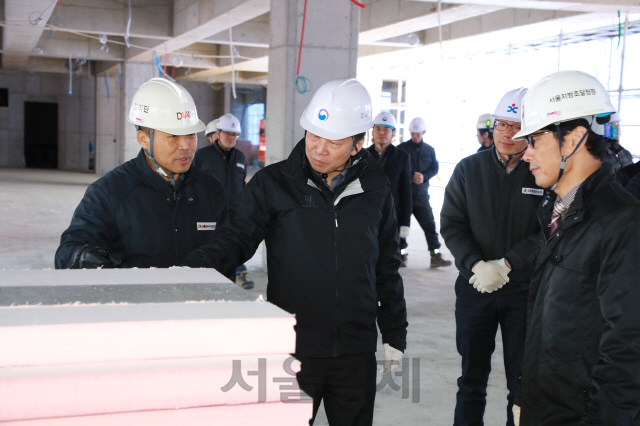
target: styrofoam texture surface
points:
(264, 414)
(103, 388)
(76, 334)
(53, 277)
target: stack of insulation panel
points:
(135, 347)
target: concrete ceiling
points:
(193, 35)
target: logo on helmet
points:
(233, 125)
(554, 114)
(384, 118)
(185, 114)
(513, 108)
(323, 115)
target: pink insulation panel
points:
(265, 414)
(85, 389)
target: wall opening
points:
(41, 135)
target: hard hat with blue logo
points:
(385, 119)
(339, 109)
(510, 106)
(229, 123)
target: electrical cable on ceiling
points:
(619, 30)
(49, 36)
(106, 84)
(624, 47)
(440, 31)
(164, 69)
(37, 20)
(70, 76)
(301, 82)
(119, 75)
(159, 67)
(232, 53)
(559, 48)
(358, 4)
(126, 38)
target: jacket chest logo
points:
(309, 201)
(533, 191)
(206, 226)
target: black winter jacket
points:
(618, 158)
(487, 211)
(397, 166)
(423, 160)
(229, 167)
(331, 256)
(582, 353)
(133, 212)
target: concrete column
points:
(330, 51)
(134, 75)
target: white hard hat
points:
(385, 119)
(166, 106)
(212, 127)
(417, 125)
(229, 123)
(339, 109)
(510, 106)
(485, 122)
(563, 96)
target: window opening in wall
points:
(255, 113)
(393, 101)
(41, 135)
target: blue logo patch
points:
(323, 115)
(513, 108)
(384, 118)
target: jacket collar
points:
(594, 183)
(153, 178)
(297, 167)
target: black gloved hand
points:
(91, 257)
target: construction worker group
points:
(544, 239)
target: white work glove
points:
(392, 358)
(404, 231)
(490, 276)
(516, 414)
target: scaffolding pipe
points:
(624, 46)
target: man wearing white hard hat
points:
(211, 132)
(397, 166)
(616, 155)
(153, 210)
(582, 352)
(326, 215)
(223, 160)
(424, 166)
(489, 207)
(484, 131)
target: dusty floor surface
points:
(36, 207)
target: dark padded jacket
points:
(133, 212)
(331, 256)
(423, 160)
(618, 158)
(487, 211)
(582, 354)
(397, 166)
(229, 167)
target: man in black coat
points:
(489, 207)
(327, 218)
(582, 353)
(397, 166)
(154, 209)
(226, 162)
(424, 166)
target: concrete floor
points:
(36, 207)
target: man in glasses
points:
(582, 351)
(223, 160)
(489, 207)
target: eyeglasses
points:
(530, 138)
(502, 126)
(230, 134)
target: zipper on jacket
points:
(335, 243)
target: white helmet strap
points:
(159, 169)
(563, 162)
